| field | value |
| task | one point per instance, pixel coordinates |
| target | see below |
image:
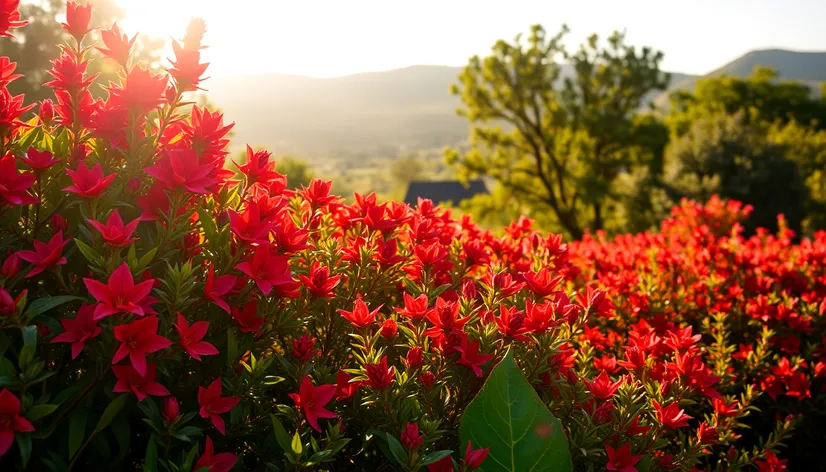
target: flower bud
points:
(427, 379)
(389, 329)
(304, 348)
(410, 437)
(43, 330)
(11, 266)
(731, 455)
(707, 434)
(171, 411)
(46, 112)
(414, 357)
(59, 223)
(134, 185)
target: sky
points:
(328, 38)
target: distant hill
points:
(802, 66)
(377, 113)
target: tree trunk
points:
(597, 225)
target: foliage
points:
(162, 311)
(721, 154)
(558, 148)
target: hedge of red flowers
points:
(162, 309)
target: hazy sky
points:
(338, 37)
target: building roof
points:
(444, 191)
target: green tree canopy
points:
(558, 143)
(721, 154)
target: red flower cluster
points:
(177, 296)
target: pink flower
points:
(311, 400)
(10, 420)
(223, 462)
(191, 337)
(129, 380)
(14, 186)
(120, 293)
(213, 404)
(79, 330)
(45, 255)
(88, 183)
(114, 232)
(138, 339)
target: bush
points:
(163, 312)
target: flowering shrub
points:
(165, 311)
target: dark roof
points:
(443, 191)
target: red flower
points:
(45, 255)
(120, 293)
(474, 458)
(771, 464)
(304, 348)
(247, 317)
(129, 380)
(707, 434)
(11, 108)
(114, 232)
(671, 416)
(8, 305)
(39, 160)
(445, 464)
(428, 379)
(411, 439)
(620, 459)
(88, 183)
(138, 339)
(141, 92)
(11, 266)
(223, 462)
(7, 67)
(9, 19)
(361, 316)
(380, 376)
(187, 68)
(602, 388)
(318, 193)
(414, 308)
(249, 226)
(542, 283)
(259, 167)
(216, 289)
(77, 19)
(511, 323)
(213, 405)
(14, 186)
(414, 357)
(191, 336)
(270, 271)
(79, 330)
(319, 282)
(182, 168)
(311, 401)
(46, 112)
(10, 420)
(470, 356)
(389, 329)
(118, 45)
(345, 389)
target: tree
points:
(762, 97)
(406, 169)
(557, 143)
(721, 154)
(298, 172)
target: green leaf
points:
(110, 412)
(88, 252)
(509, 418)
(210, 230)
(147, 258)
(232, 346)
(24, 443)
(39, 411)
(281, 434)
(29, 333)
(296, 445)
(396, 448)
(77, 430)
(42, 305)
(150, 462)
(122, 433)
(434, 457)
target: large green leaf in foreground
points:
(508, 417)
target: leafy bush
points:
(163, 311)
